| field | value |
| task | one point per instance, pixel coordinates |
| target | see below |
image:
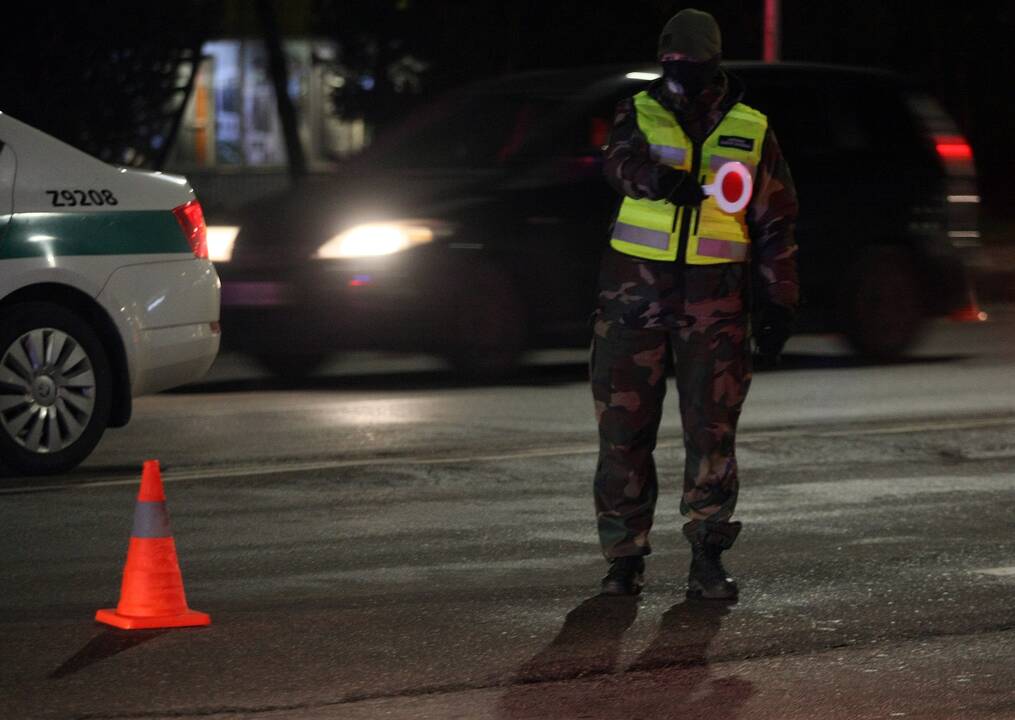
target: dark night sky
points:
(960, 49)
(956, 46)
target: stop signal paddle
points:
(731, 188)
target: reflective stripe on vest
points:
(641, 236)
(725, 249)
(718, 161)
(651, 228)
(668, 155)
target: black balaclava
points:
(689, 78)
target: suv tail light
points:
(970, 312)
(953, 148)
(191, 219)
(599, 132)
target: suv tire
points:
(488, 322)
(881, 306)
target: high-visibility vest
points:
(652, 229)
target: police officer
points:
(676, 282)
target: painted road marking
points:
(988, 454)
(999, 572)
(746, 437)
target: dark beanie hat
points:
(693, 33)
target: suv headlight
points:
(376, 239)
(221, 239)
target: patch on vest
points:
(733, 141)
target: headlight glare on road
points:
(375, 239)
(220, 242)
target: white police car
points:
(106, 293)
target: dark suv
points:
(474, 230)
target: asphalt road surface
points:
(383, 542)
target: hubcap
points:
(47, 390)
(44, 390)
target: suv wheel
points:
(488, 321)
(55, 389)
(882, 306)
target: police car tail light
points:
(191, 219)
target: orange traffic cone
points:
(152, 592)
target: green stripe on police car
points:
(126, 232)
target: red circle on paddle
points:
(732, 187)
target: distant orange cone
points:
(152, 592)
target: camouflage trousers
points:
(696, 316)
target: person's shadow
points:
(588, 648)
(588, 643)
(684, 643)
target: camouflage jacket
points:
(771, 216)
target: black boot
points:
(625, 576)
(708, 578)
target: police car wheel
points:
(55, 389)
(883, 309)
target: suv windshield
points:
(466, 130)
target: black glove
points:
(773, 324)
(679, 188)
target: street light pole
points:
(773, 34)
